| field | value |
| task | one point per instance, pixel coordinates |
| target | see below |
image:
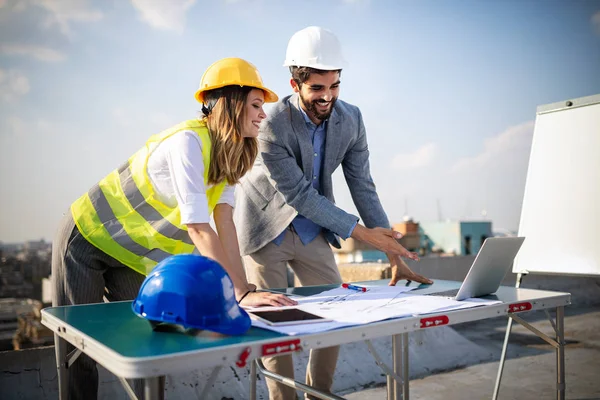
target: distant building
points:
(13, 281)
(353, 251)
(455, 237)
(411, 235)
(22, 268)
(445, 238)
(47, 289)
(20, 325)
(37, 249)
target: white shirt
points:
(176, 170)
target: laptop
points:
(488, 270)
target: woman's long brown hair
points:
(231, 154)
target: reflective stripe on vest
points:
(150, 214)
(123, 217)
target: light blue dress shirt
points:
(304, 227)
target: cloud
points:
(38, 52)
(14, 5)
(122, 118)
(129, 118)
(420, 158)
(164, 15)
(61, 13)
(16, 126)
(499, 149)
(596, 22)
(13, 84)
(492, 180)
(19, 6)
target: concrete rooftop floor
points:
(529, 371)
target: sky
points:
(448, 91)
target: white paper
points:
(341, 295)
(347, 307)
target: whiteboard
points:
(560, 217)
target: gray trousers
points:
(82, 274)
(313, 264)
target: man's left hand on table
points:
(402, 271)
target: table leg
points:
(295, 384)
(405, 379)
(152, 388)
(560, 353)
(253, 380)
(390, 387)
(397, 361)
(60, 349)
(520, 277)
(502, 359)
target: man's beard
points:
(312, 108)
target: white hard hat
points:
(314, 47)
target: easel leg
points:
(60, 350)
(560, 353)
(505, 345)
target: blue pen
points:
(354, 287)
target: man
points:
(286, 213)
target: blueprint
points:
(345, 307)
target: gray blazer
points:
(279, 187)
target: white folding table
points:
(126, 345)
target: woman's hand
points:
(257, 299)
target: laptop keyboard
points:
(447, 293)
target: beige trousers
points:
(313, 264)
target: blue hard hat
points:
(193, 291)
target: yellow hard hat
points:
(232, 71)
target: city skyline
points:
(448, 91)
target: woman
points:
(159, 204)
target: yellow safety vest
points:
(123, 217)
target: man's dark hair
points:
(301, 74)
